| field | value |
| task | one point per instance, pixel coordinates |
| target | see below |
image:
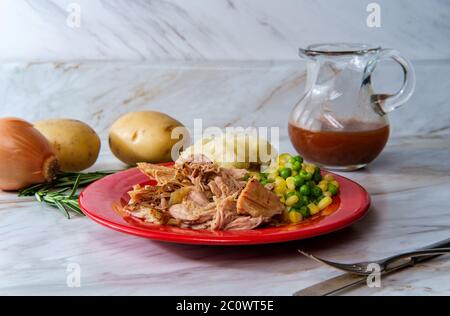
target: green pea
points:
(304, 200)
(264, 175)
(263, 181)
(332, 189)
(296, 166)
(298, 158)
(316, 191)
(305, 190)
(305, 175)
(289, 194)
(317, 177)
(304, 211)
(298, 181)
(311, 184)
(285, 173)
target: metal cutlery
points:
(386, 264)
(357, 272)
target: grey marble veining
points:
(215, 30)
(223, 94)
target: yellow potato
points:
(76, 144)
(143, 137)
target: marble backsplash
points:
(214, 29)
(222, 94)
(231, 63)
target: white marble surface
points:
(409, 185)
(215, 29)
(170, 56)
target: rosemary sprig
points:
(61, 193)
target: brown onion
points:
(26, 157)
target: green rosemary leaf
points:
(75, 187)
(38, 197)
(61, 193)
(75, 208)
(62, 209)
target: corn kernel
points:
(295, 217)
(327, 193)
(255, 175)
(280, 188)
(290, 183)
(323, 203)
(323, 186)
(291, 200)
(283, 159)
(313, 208)
(325, 182)
(288, 191)
(294, 173)
(279, 180)
(310, 168)
(335, 183)
(328, 177)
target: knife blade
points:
(333, 285)
(349, 280)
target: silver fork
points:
(391, 263)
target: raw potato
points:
(143, 137)
(76, 144)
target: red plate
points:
(103, 199)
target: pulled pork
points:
(199, 194)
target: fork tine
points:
(352, 268)
(306, 254)
(320, 260)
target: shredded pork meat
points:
(255, 200)
(199, 194)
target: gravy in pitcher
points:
(358, 143)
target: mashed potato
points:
(234, 150)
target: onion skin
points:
(26, 157)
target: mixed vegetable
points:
(299, 185)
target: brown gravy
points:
(359, 143)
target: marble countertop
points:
(231, 63)
(409, 186)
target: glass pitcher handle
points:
(389, 102)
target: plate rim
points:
(174, 237)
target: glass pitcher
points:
(340, 122)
